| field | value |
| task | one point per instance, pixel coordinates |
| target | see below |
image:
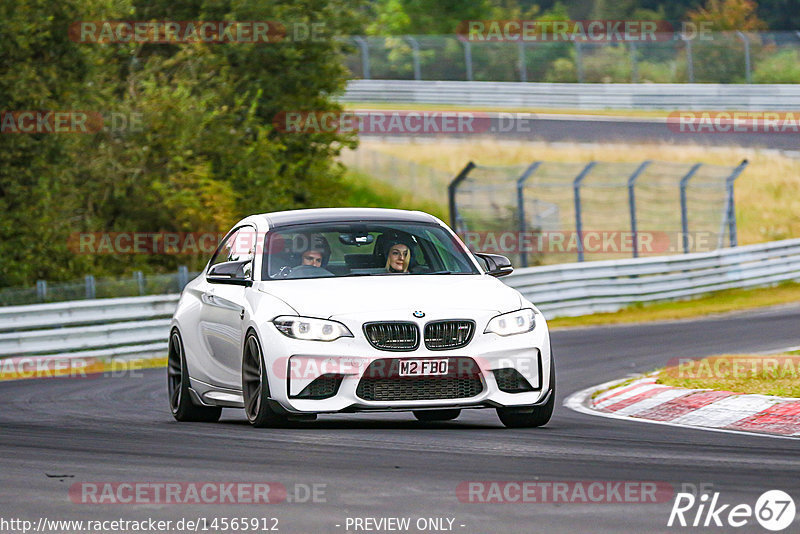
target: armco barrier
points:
(139, 326)
(677, 96)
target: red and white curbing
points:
(647, 401)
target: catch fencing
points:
(90, 287)
(139, 326)
(719, 57)
(558, 212)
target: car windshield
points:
(363, 248)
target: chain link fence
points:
(90, 288)
(557, 212)
(720, 57)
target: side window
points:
(238, 247)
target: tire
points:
(255, 386)
(180, 400)
(531, 416)
(436, 415)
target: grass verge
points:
(717, 302)
(773, 374)
(366, 192)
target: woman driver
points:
(398, 258)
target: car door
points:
(228, 278)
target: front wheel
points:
(180, 401)
(436, 415)
(255, 386)
(531, 416)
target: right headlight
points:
(310, 329)
(516, 322)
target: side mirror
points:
(495, 264)
(231, 272)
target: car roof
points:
(288, 218)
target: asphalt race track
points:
(600, 129)
(59, 432)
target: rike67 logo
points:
(774, 510)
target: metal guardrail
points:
(578, 96)
(607, 286)
(139, 326)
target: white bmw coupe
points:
(356, 310)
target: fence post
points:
(523, 255)
(451, 194)
(467, 58)
(415, 57)
(90, 287)
(523, 68)
(731, 207)
(684, 210)
(139, 277)
(746, 41)
(183, 277)
(689, 58)
(576, 189)
(364, 46)
(41, 290)
(578, 61)
(634, 63)
(632, 205)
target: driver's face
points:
(313, 258)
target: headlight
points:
(517, 322)
(310, 329)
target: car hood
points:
(326, 297)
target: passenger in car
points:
(398, 257)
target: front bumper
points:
(294, 365)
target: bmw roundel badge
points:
(419, 314)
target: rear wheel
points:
(436, 415)
(255, 386)
(180, 400)
(531, 416)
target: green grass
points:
(366, 192)
(773, 374)
(717, 302)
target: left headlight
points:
(310, 329)
(516, 322)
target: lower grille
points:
(395, 336)
(381, 382)
(511, 381)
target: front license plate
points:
(423, 367)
